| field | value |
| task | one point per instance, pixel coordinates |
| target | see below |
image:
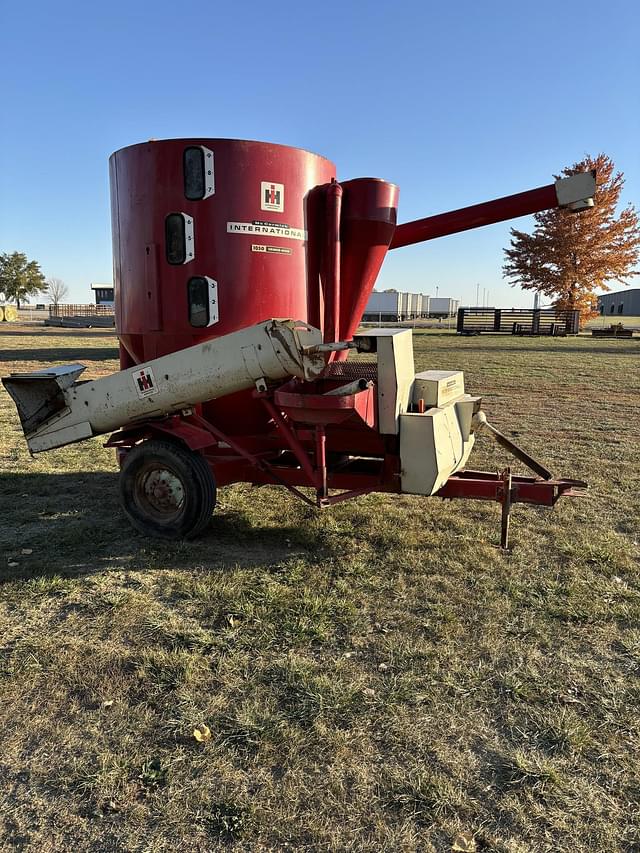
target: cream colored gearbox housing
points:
(436, 443)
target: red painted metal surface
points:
(151, 294)
(306, 403)
(175, 427)
(147, 184)
(369, 210)
(487, 213)
(323, 274)
(488, 486)
(331, 266)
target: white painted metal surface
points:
(576, 192)
(384, 303)
(443, 305)
(434, 445)
(395, 373)
(209, 172)
(189, 237)
(437, 387)
(214, 311)
(273, 350)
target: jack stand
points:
(505, 500)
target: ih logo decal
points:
(144, 382)
(272, 196)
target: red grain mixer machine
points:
(242, 270)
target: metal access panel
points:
(395, 373)
(437, 387)
(433, 446)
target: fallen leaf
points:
(202, 733)
(13, 564)
(27, 551)
(464, 842)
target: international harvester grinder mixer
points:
(215, 241)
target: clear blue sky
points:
(456, 102)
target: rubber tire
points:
(196, 480)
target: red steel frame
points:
(295, 456)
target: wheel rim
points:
(160, 493)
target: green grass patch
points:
(378, 676)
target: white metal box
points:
(437, 387)
(433, 446)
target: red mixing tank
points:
(215, 235)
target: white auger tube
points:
(56, 410)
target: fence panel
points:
(517, 321)
(80, 310)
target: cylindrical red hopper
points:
(214, 235)
(210, 236)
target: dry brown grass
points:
(376, 677)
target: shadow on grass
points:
(73, 525)
(61, 354)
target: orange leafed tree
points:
(571, 255)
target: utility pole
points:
(478, 295)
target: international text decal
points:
(269, 229)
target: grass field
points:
(606, 320)
(378, 677)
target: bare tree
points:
(57, 290)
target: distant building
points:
(387, 307)
(443, 307)
(103, 294)
(394, 306)
(624, 302)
